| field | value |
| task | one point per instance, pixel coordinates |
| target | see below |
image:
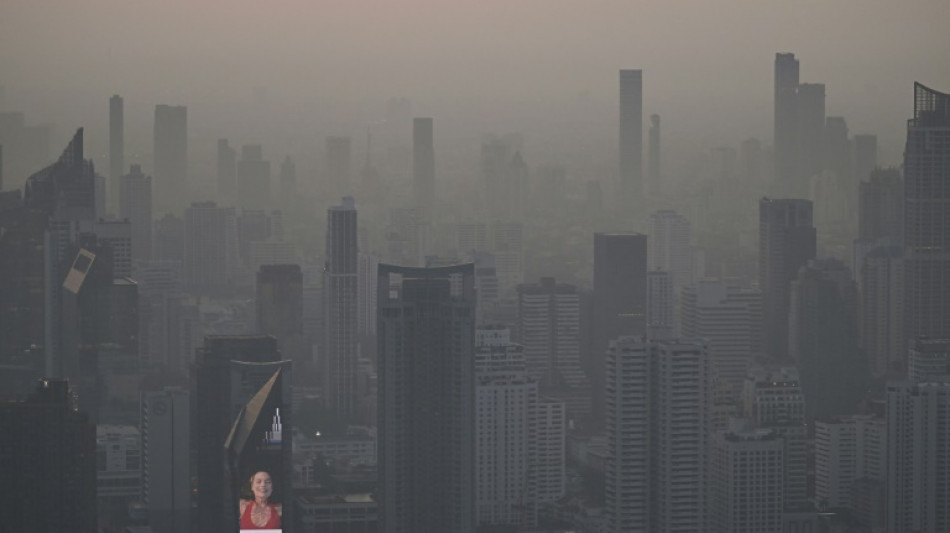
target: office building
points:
(656, 435)
(280, 310)
(166, 472)
(746, 465)
(729, 318)
(253, 178)
(882, 311)
(366, 293)
(168, 239)
(823, 338)
(339, 161)
(116, 148)
(670, 247)
(928, 360)
(549, 325)
(228, 372)
(210, 248)
(340, 292)
(48, 458)
(117, 235)
(654, 183)
(660, 318)
(849, 459)
(773, 399)
(118, 469)
(926, 216)
(170, 150)
(423, 166)
(135, 205)
(619, 299)
(787, 241)
(918, 455)
(426, 332)
(227, 170)
(631, 136)
(785, 120)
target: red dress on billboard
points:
(273, 519)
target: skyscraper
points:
(280, 310)
(656, 435)
(116, 148)
(423, 166)
(210, 247)
(227, 170)
(135, 205)
(927, 216)
(786, 124)
(660, 321)
(166, 472)
(653, 159)
(48, 458)
(426, 332)
(787, 240)
(340, 291)
(228, 371)
(170, 150)
(670, 247)
(339, 161)
(631, 135)
(549, 325)
(619, 300)
(253, 178)
(811, 127)
(882, 311)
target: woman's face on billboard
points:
(262, 486)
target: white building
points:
(166, 477)
(118, 463)
(847, 449)
(746, 467)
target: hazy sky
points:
(538, 66)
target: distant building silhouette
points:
(227, 170)
(631, 136)
(116, 148)
(671, 247)
(280, 310)
(786, 124)
(653, 160)
(787, 240)
(423, 165)
(166, 473)
(135, 205)
(253, 178)
(426, 335)
(170, 150)
(926, 216)
(210, 248)
(288, 183)
(48, 458)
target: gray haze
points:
(285, 73)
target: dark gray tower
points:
(340, 281)
(116, 147)
(426, 332)
(785, 122)
(787, 241)
(927, 216)
(423, 165)
(631, 135)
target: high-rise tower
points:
(135, 204)
(631, 135)
(927, 216)
(426, 335)
(340, 286)
(116, 146)
(170, 150)
(787, 240)
(785, 122)
(423, 165)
